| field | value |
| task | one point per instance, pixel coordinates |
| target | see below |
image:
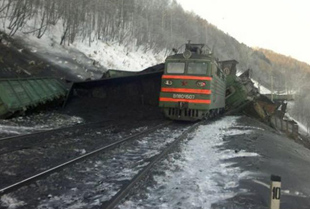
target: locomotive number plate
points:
(183, 96)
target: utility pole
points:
(271, 83)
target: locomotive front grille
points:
(183, 112)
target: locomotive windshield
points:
(190, 68)
(176, 67)
(199, 68)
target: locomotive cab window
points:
(175, 67)
(197, 68)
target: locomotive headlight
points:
(201, 83)
(168, 82)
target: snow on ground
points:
(116, 56)
(10, 202)
(302, 129)
(84, 59)
(37, 122)
(262, 89)
(200, 177)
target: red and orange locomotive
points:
(193, 85)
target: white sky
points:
(282, 26)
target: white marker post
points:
(275, 192)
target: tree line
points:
(156, 24)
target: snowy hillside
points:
(84, 60)
(262, 89)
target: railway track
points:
(41, 138)
(125, 191)
(116, 167)
(26, 158)
(57, 168)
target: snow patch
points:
(81, 151)
(56, 199)
(262, 89)
(229, 154)
(116, 56)
(38, 122)
(248, 128)
(290, 193)
(11, 202)
(302, 128)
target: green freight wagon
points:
(236, 91)
(18, 95)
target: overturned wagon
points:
(18, 95)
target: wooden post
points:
(282, 124)
(275, 192)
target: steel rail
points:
(38, 176)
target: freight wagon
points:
(18, 95)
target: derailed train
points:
(193, 85)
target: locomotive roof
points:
(198, 48)
(193, 57)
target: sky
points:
(282, 26)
